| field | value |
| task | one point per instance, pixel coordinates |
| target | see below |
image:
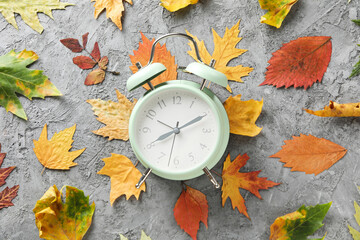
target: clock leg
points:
(211, 177)
(143, 177)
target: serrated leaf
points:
(84, 62)
(95, 53)
(72, 44)
(16, 78)
(338, 110)
(277, 11)
(4, 172)
(7, 195)
(175, 5)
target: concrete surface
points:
(281, 118)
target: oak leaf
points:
(28, 10)
(115, 115)
(7, 195)
(224, 51)
(243, 115)
(299, 224)
(16, 78)
(309, 154)
(114, 10)
(190, 209)
(299, 63)
(277, 11)
(143, 236)
(124, 176)
(162, 55)
(338, 110)
(354, 233)
(233, 180)
(174, 5)
(4, 172)
(54, 153)
(57, 220)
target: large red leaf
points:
(84, 62)
(7, 195)
(4, 172)
(299, 63)
(72, 44)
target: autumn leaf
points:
(16, 78)
(162, 55)
(28, 10)
(299, 63)
(54, 153)
(190, 209)
(233, 180)
(115, 115)
(299, 224)
(277, 11)
(338, 110)
(84, 62)
(57, 220)
(143, 236)
(4, 172)
(354, 233)
(7, 195)
(224, 51)
(124, 177)
(114, 10)
(243, 115)
(309, 154)
(174, 5)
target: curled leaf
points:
(174, 5)
(277, 11)
(338, 110)
(84, 62)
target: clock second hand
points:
(164, 124)
(172, 145)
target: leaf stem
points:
(42, 171)
(137, 162)
(215, 172)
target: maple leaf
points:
(299, 224)
(143, 236)
(224, 51)
(162, 55)
(54, 153)
(115, 115)
(28, 10)
(4, 172)
(233, 180)
(57, 220)
(174, 5)
(309, 154)
(243, 115)
(354, 233)
(277, 11)
(338, 110)
(16, 78)
(124, 177)
(190, 209)
(114, 10)
(7, 195)
(299, 63)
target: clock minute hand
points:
(192, 121)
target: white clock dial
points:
(176, 130)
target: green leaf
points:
(355, 234)
(28, 10)
(16, 78)
(143, 236)
(357, 21)
(356, 70)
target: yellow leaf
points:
(174, 5)
(243, 115)
(124, 177)
(354, 233)
(54, 153)
(115, 115)
(114, 9)
(224, 51)
(338, 110)
(277, 11)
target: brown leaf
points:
(103, 62)
(96, 76)
(7, 195)
(85, 39)
(4, 172)
(84, 62)
(72, 44)
(96, 52)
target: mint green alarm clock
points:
(179, 129)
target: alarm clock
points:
(179, 129)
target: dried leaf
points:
(4, 172)
(7, 195)
(61, 221)
(243, 115)
(115, 115)
(277, 11)
(124, 177)
(95, 53)
(72, 44)
(143, 236)
(162, 55)
(54, 153)
(354, 233)
(224, 51)
(85, 39)
(338, 110)
(174, 5)
(16, 78)
(309, 154)
(233, 180)
(84, 62)
(103, 62)
(190, 209)
(94, 77)
(299, 63)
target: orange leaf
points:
(123, 176)
(338, 110)
(190, 209)
(94, 77)
(233, 180)
(7, 195)
(309, 154)
(4, 172)
(162, 55)
(84, 62)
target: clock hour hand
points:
(165, 135)
(195, 120)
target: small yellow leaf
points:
(174, 5)
(338, 110)
(277, 11)
(243, 115)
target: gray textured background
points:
(282, 117)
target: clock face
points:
(175, 130)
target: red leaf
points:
(299, 63)
(96, 52)
(103, 62)
(72, 44)
(190, 209)
(84, 62)
(95, 77)
(4, 172)
(85, 39)
(7, 195)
